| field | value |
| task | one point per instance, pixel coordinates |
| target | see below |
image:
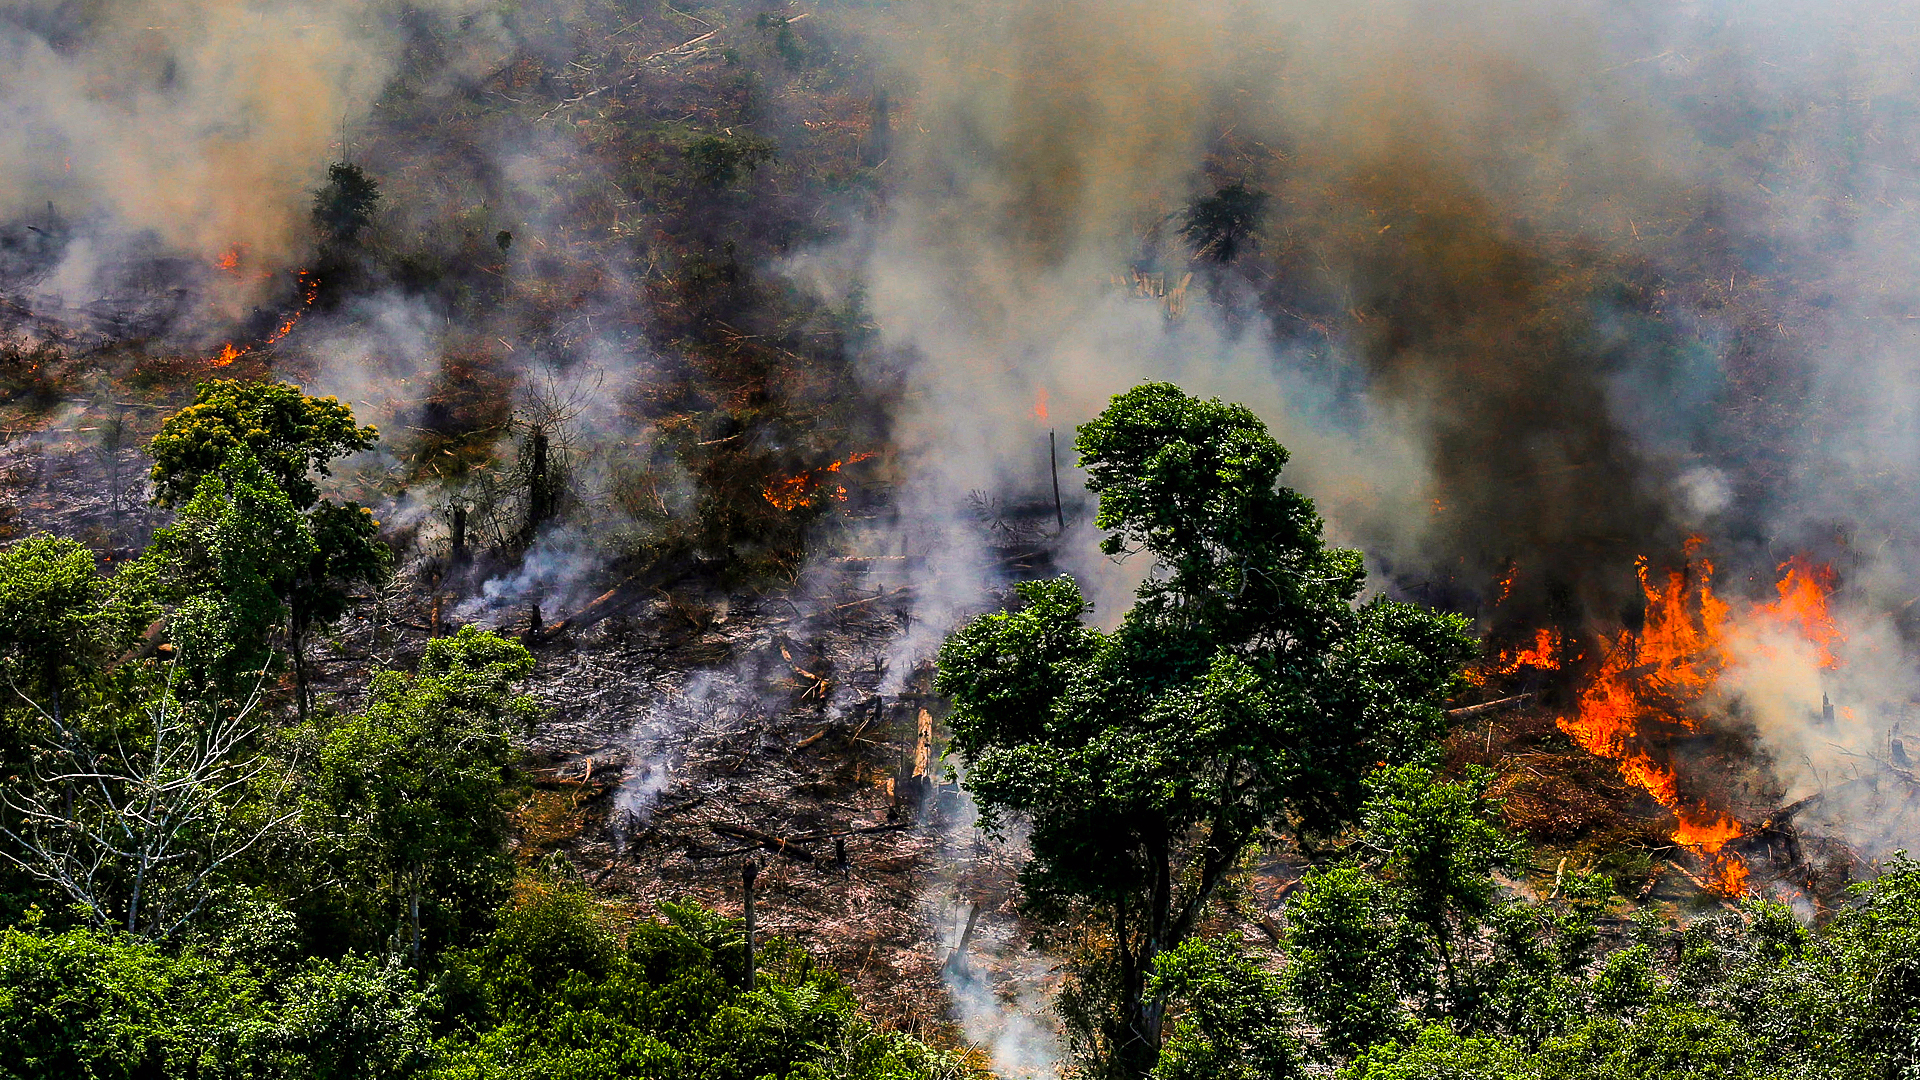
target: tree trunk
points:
(297, 645)
(748, 872)
(413, 913)
(1144, 1014)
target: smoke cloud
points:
(1540, 287)
(192, 128)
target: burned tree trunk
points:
(543, 487)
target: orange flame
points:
(801, 489)
(1040, 404)
(1802, 607)
(1655, 676)
(313, 293)
(229, 260)
(228, 354)
(1506, 584)
(1544, 653)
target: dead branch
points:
(1470, 711)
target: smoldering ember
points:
(1017, 538)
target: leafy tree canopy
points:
(1221, 224)
(411, 788)
(60, 619)
(288, 434)
(1244, 693)
(344, 208)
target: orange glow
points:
(1040, 404)
(229, 260)
(1506, 585)
(1656, 676)
(312, 294)
(1802, 607)
(1544, 653)
(228, 354)
(802, 489)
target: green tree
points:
(1439, 1054)
(719, 160)
(87, 1004)
(252, 437)
(61, 623)
(1350, 950)
(1245, 693)
(344, 208)
(1221, 224)
(1438, 844)
(226, 564)
(412, 788)
(290, 435)
(555, 992)
(83, 1004)
(1229, 1016)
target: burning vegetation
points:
(606, 509)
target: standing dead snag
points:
(134, 834)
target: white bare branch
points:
(135, 836)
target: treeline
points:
(208, 874)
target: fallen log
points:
(600, 607)
(786, 845)
(1469, 711)
(1784, 815)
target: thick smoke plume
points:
(194, 128)
(1541, 288)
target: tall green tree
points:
(61, 622)
(1438, 843)
(412, 788)
(1246, 693)
(225, 456)
(225, 564)
(344, 208)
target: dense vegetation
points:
(203, 881)
(206, 877)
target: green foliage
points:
(288, 434)
(255, 546)
(1437, 1054)
(1229, 1016)
(60, 622)
(1438, 844)
(719, 160)
(232, 553)
(86, 1004)
(554, 992)
(1350, 950)
(1243, 693)
(410, 792)
(344, 208)
(1220, 225)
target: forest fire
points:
(311, 290)
(228, 354)
(800, 490)
(1652, 678)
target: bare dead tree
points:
(135, 835)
